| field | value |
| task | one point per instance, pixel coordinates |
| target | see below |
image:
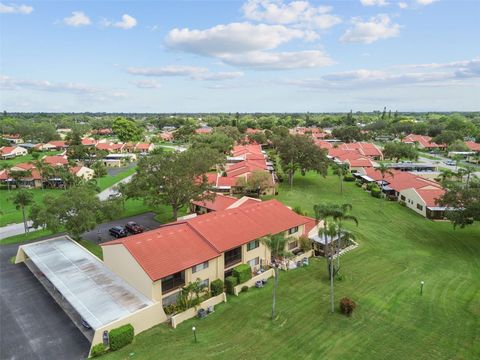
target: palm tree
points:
(276, 245)
(21, 199)
(330, 231)
(41, 167)
(384, 169)
(340, 171)
(446, 174)
(341, 216)
(469, 172)
(7, 166)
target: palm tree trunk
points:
(275, 284)
(331, 283)
(24, 220)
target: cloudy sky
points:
(255, 55)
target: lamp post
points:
(194, 333)
(421, 287)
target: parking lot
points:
(33, 326)
(100, 233)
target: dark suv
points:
(118, 231)
(133, 227)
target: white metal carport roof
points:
(96, 293)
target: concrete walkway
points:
(14, 229)
(105, 194)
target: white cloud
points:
(374, 2)
(403, 75)
(126, 23)
(171, 70)
(402, 5)
(9, 83)
(192, 72)
(232, 38)
(261, 60)
(376, 28)
(425, 2)
(78, 18)
(300, 13)
(15, 9)
(146, 84)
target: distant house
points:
(89, 142)
(58, 144)
(204, 130)
(12, 138)
(56, 160)
(423, 142)
(83, 172)
(473, 146)
(9, 152)
(220, 202)
(144, 147)
(166, 136)
(44, 147)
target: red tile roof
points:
(58, 143)
(425, 141)
(473, 146)
(7, 150)
(181, 245)
(55, 160)
(88, 141)
(220, 202)
(430, 196)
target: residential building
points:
(207, 247)
(9, 152)
(12, 138)
(423, 142)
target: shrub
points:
(121, 336)
(358, 182)
(216, 287)
(348, 177)
(98, 350)
(305, 243)
(299, 210)
(244, 288)
(170, 309)
(230, 283)
(242, 272)
(376, 192)
(347, 306)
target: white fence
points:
(192, 312)
(265, 275)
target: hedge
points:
(230, 283)
(376, 192)
(242, 272)
(121, 336)
(216, 287)
(348, 177)
(98, 350)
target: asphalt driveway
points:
(32, 324)
(100, 233)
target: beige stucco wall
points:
(262, 252)
(141, 320)
(118, 259)
(192, 312)
(412, 199)
(265, 275)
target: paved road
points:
(104, 195)
(145, 220)
(32, 324)
(112, 171)
(174, 147)
(14, 229)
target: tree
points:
(448, 137)
(276, 244)
(384, 170)
(6, 166)
(21, 199)
(340, 169)
(462, 203)
(445, 175)
(348, 133)
(218, 141)
(18, 175)
(298, 152)
(127, 130)
(256, 183)
(78, 209)
(99, 168)
(458, 145)
(184, 133)
(468, 171)
(173, 179)
(397, 151)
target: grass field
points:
(28, 158)
(393, 321)
(10, 215)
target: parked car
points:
(118, 231)
(133, 227)
(450, 162)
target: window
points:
(292, 245)
(293, 230)
(200, 267)
(205, 283)
(254, 262)
(253, 245)
(233, 256)
(172, 282)
(419, 207)
(402, 197)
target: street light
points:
(421, 286)
(194, 333)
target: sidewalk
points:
(105, 194)
(14, 229)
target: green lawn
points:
(393, 321)
(28, 158)
(10, 215)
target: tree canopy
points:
(127, 130)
